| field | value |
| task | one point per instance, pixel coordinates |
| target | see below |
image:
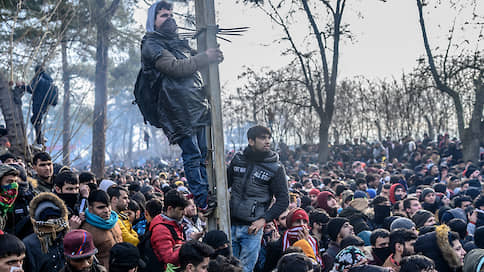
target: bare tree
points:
(472, 64)
(320, 68)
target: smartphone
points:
(83, 205)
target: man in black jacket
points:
(170, 94)
(44, 93)
(255, 177)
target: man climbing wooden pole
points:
(207, 29)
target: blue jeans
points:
(245, 246)
(194, 153)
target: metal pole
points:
(205, 19)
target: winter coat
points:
(40, 185)
(330, 255)
(37, 261)
(255, 178)
(169, 90)
(473, 260)
(127, 231)
(35, 258)
(436, 246)
(104, 240)
(163, 242)
(44, 92)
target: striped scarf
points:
(291, 236)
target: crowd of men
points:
(422, 212)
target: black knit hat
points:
(420, 217)
(215, 238)
(335, 225)
(425, 192)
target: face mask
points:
(8, 194)
(169, 27)
(381, 212)
(398, 197)
(382, 253)
(69, 199)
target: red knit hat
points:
(296, 214)
(314, 191)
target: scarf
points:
(98, 222)
(8, 194)
(291, 236)
(48, 231)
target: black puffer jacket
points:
(254, 178)
(174, 102)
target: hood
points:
(150, 20)
(474, 260)
(6, 170)
(436, 246)
(392, 192)
(42, 197)
(322, 200)
(269, 156)
(160, 219)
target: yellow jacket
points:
(129, 235)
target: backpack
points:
(146, 251)
(147, 99)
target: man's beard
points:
(406, 252)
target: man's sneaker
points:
(211, 205)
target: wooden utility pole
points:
(206, 26)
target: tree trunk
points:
(430, 126)
(102, 16)
(323, 141)
(130, 144)
(66, 131)
(100, 104)
(472, 134)
(12, 114)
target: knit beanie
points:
(314, 191)
(402, 222)
(335, 225)
(323, 200)
(306, 248)
(360, 194)
(459, 226)
(296, 214)
(453, 213)
(420, 217)
(425, 192)
(371, 192)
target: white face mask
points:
(387, 179)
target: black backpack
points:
(146, 251)
(147, 99)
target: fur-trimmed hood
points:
(48, 197)
(437, 247)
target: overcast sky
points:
(387, 37)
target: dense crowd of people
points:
(419, 211)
